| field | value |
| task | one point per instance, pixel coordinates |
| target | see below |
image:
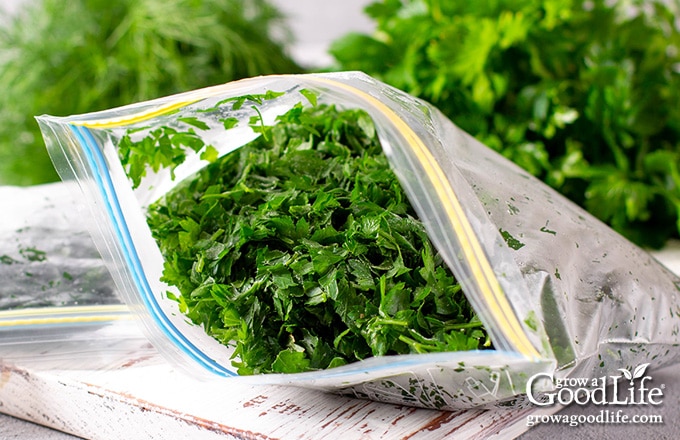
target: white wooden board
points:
(141, 396)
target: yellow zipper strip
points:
(187, 98)
(113, 308)
(474, 254)
(138, 117)
(64, 315)
(64, 320)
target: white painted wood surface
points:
(141, 396)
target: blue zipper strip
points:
(102, 177)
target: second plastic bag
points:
(557, 291)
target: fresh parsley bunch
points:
(582, 93)
(302, 250)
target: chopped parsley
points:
(301, 250)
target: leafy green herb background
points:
(583, 94)
(77, 56)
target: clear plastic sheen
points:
(557, 290)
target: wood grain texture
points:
(146, 398)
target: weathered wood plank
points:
(146, 398)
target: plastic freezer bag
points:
(557, 291)
(58, 304)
